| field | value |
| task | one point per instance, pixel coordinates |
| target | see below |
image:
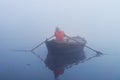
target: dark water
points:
(24, 24)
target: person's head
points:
(57, 29)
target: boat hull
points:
(63, 54)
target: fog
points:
(26, 23)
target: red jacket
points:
(59, 36)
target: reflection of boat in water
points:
(64, 54)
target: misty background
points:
(26, 23)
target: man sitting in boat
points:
(59, 37)
(59, 34)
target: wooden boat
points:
(64, 54)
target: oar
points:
(38, 56)
(41, 43)
(98, 52)
(97, 55)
